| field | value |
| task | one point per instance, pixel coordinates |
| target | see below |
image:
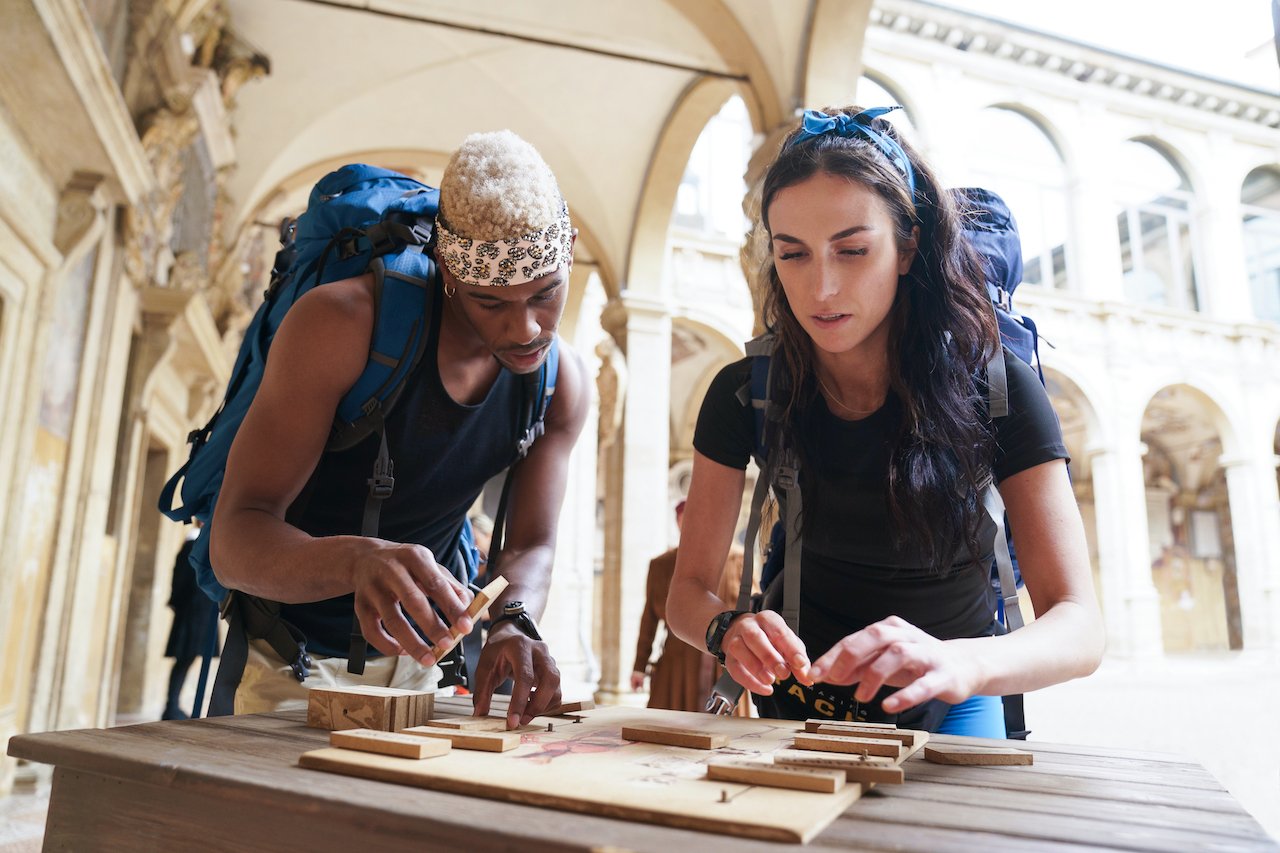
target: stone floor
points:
(1219, 709)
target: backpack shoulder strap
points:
(404, 296)
(539, 387)
(779, 469)
(997, 386)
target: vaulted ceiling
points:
(613, 94)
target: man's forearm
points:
(528, 574)
(257, 553)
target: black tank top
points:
(443, 453)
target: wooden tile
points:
(571, 707)
(389, 743)
(976, 755)
(811, 724)
(871, 769)
(481, 600)
(906, 737)
(670, 736)
(379, 708)
(470, 724)
(848, 744)
(483, 741)
(773, 776)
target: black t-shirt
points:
(853, 573)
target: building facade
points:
(149, 148)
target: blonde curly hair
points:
(498, 187)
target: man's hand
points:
(509, 653)
(637, 681)
(395, 583)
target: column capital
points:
(1240, 460)
(639, 304)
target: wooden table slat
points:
(115, 789)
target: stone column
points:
(78, 233)
(1095, 239)
(566, 624)
(1223, 281)
(1255, 517)
(1133, 605)
(636, 485)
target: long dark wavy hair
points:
(942, 332)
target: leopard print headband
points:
(502, 263)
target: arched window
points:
(871, 93)
(1008, 153)
(1157, 240)
(709, 198)
(1260, 207)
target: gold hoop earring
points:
(449, 291)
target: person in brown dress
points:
(682, 676)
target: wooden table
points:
(233, 783)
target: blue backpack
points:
(991, 230)
(358, 219)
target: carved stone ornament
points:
(611, 386)
(149, 224)
(80, 208)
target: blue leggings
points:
(977, 716)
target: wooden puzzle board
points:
(588, 767)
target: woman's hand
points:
(760, 649)
(897, 653)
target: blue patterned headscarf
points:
(817, 123)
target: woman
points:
(882, 320)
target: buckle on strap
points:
(786, 476)
(725, 694)
(301, 665)
(381, 486)
(530, 436)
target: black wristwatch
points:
(514, 610)
(716, 631)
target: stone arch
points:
(1159, 227)
(1081, 432)
(920, 118)
(833, 56)
(1060, 141)
(1189, 519)
(718, 25)
(1260, 229)
(1184, 164)
(289, 197)
(1014, 151)
(646, 253)
(699, 349)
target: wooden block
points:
(482, 600)
(571, 708)
(849, 744)
(380, 708)
(670, 736)
(470, 724)
(389, 743)
(812, 724)
(483, 741)
(906, 737)
(871, 769)
(772, 776)
(976, 755)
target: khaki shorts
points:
(268, 684)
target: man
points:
(682, 676)
(287, 513)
